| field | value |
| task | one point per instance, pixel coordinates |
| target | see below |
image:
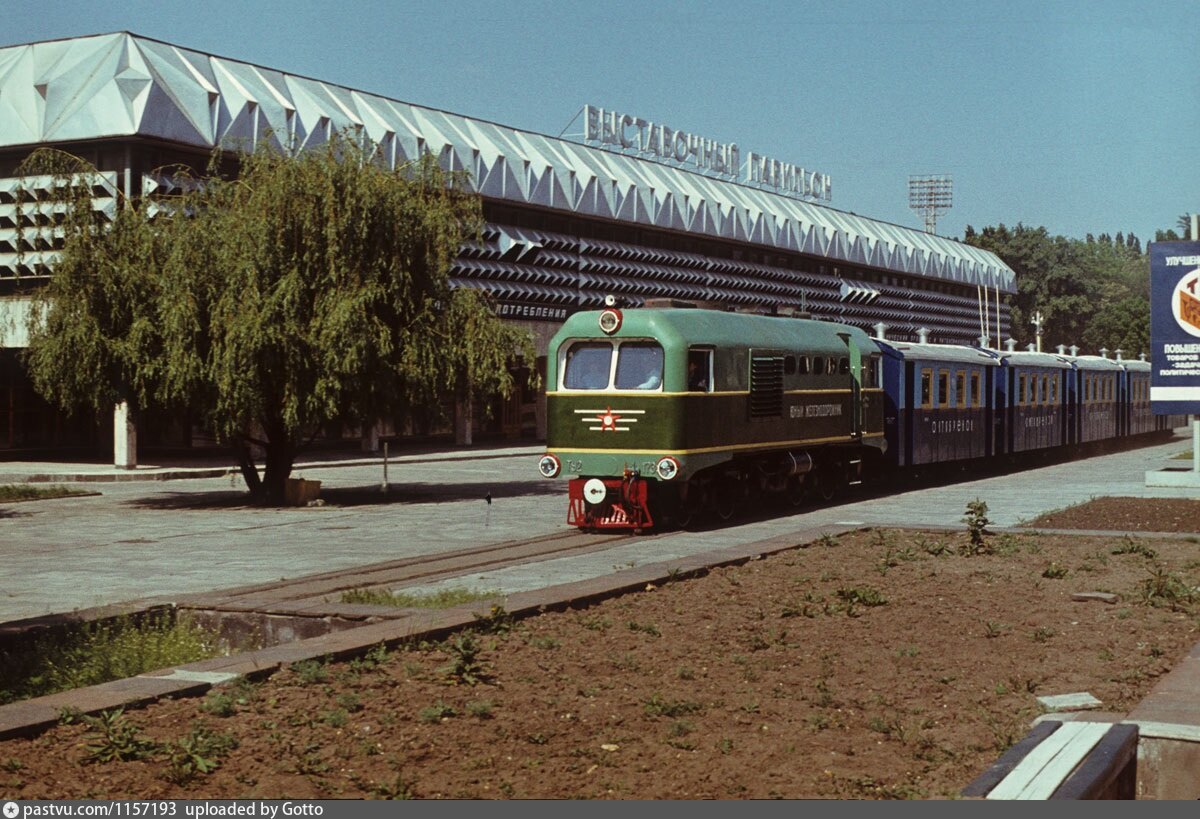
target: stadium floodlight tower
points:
(929, 196)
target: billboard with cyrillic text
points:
(1175, 327)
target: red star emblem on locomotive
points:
(608, 420)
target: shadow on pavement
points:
(350, 496)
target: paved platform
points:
(163, 539)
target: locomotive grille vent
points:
(766, 386)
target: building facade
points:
(567, 223)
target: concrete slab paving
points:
(166, 539)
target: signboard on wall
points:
(1175, 327)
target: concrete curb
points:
(152, 473)
(30, 717)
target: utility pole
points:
(1036, 321)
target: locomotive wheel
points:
(689, 507)
(725, 500)
(827, 481)
(796, 493)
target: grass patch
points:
(93, 653)
(26, 492)
(442, 599)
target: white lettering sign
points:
(654, 140)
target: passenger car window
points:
(639, 366)
(588, 366)
(974, 389)
(843, 366)
(944, 387)
(926, 388)
(960, 380)
(818, 365)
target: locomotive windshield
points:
(588, 366)
(639, 366)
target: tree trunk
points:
(246, 464)
(279, 458)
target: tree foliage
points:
(306, 289)
(1093, 293)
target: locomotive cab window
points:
(699, 371)
(639, 366)
(588, 366)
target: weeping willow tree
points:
(308, 288)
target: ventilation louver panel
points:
(766, 386)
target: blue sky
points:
(1079, 116)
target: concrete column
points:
(124, 437)
(463, 422)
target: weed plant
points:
(197, 753)
(24, 492)
(93, 653)
(113, 737)
(441, 599)
(465, 666)
(977, 522)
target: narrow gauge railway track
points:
(319, 595)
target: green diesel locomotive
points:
(663, 414)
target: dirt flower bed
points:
(880, 664)
(1127, 515)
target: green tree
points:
(1092, 292)
(305, 289)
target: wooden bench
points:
(1064, 760)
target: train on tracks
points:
(661, 416)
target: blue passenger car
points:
(1094, 398)
(1136, 418)
(938, 402)
(1032, 403)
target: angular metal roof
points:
(122, 85)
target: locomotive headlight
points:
(610, 321)
(667, 468)
(549, 466)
